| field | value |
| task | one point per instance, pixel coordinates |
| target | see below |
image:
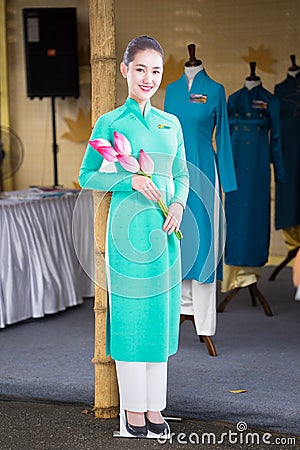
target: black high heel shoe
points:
(157, 428)
(134, 430)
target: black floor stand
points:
(54, 145)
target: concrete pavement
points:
(52, 426)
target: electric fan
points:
(11, 154)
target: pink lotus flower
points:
(146, 163)
(122, 153)
(129, 163)
(105, 149)
(121, 143)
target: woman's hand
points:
(173, 218)
(146, 187)
(296, 270)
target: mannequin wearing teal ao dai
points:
(201, 109)
(144, 261)
(287, 212)
(199, 118)
(255, 134)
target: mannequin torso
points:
(294, 69)
(252, 80)
(293, 73)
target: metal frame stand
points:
(54, 144)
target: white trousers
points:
(199, 300)
(142, 385)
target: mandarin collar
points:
(292, 79)
(197, 78)
(253, 90)
(133, 106)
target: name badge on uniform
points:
(198, 98)
(259, 104)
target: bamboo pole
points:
(103, 66)
(4, 88)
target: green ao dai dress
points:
(143, 261)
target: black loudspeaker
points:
(51, 52)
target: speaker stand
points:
(54, 145)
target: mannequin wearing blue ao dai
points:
(200, 105)
(255, 136)
(236, 276)
(287, 210)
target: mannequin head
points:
(142, 66)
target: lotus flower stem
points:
(141, 172)
(162, 205)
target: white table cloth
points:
(46, 252)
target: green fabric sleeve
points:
(180, 172)
(89, 175)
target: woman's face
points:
(143, 75)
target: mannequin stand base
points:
(125, 434)
(254, 294)
(291, 255)
(206, 339)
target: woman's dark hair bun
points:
(141, 43)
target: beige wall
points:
(222, 30)
(31, 119)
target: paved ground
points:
(32, 426)
(49, 360)
(46, 362)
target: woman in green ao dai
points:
(142, 251)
